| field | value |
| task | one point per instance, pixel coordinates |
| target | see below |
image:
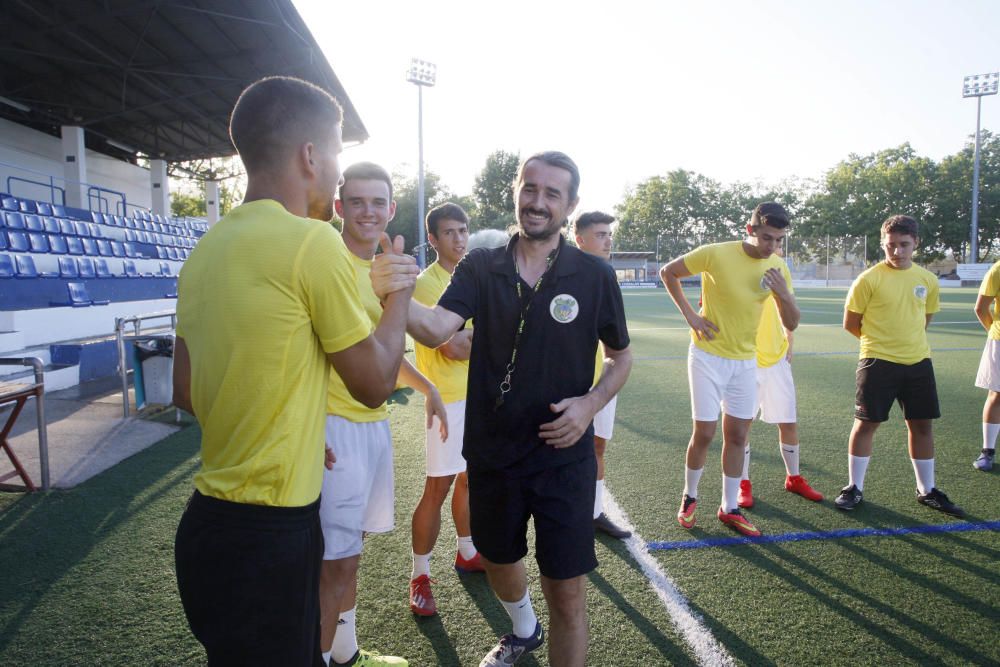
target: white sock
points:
(465, 547)
(857, 467)
(923, 469)
(421, 565)
(990, 432)
(599, 498)
(345, 642)
(746, 462)
(691, 479)
(326, 658)
(730, 491)
(790, 455)
(522, 615)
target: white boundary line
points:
(706, 648)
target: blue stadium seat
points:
(68, 268)
(78, 297)
(10, 204)
(57, 244)
(87, 246)
(3, 241)
(102, 269)
(38, 242)
(28, 206)
(51, 225)
(67, 227)
(97, 216)
(44, 208)
(103, 247)
(33, 223)
(95, 231)
(172, 253)
(165, 270)
(14, 220)
(6, 267)
(18, 241)
(25, 268)
(117, 249)
(131, 223)
(129, 249)
(161, 252)
(59, 211)
(85, 267)
(130, 270)
(186, 254)
(75, 245)
(129, 236)
(82, 228)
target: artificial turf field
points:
(87, 574)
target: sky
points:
(756, 92)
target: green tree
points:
(187, 196)
(493, 191)
(405, 193)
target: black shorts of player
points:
(248, 576)
(561, 501)
(880, 382)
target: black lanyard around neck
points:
(525, 306)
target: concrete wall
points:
(31, 151)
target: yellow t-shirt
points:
(338, 400)
(450, 376)
(262, 299)
(991, 287)
(772, 341)
(894, 304)
(733, 295)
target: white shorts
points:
(988, 376)
(358, 494)
(719, 383)
(604, 421)
(445, 458)
(776, 393)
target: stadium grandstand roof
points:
(155, 76)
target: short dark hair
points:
(365, 171)
(276, 115)
(554, 159)
(591, 218)
(900, 224)
(445, 211)
(771, 214)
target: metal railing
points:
(43, 439)
(121, 323)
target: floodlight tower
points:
(978, 85)
(421, 73)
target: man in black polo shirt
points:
(540, 307)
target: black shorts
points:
(880, 382)
(560, 499)
(248, 576)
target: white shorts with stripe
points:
(776, 393)
(444, 458)
(988, 376)
(717, 383)
(358, 495)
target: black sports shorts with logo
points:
(881, 382)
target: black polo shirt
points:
(579, 302)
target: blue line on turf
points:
(825, 535)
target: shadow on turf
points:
(479, 591)
(45, 535)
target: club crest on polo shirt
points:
(564, 308)
(763, 283)
(920, 291)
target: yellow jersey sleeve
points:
(991, 287)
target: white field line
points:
(707, 649)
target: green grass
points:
(88, 573)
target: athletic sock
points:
(421, 565)
(691, 479)
(730, 491)
(990, 432)
(326, 658)
(923, 469)
(746, 462)
(599, 498)
(790, 455)
(465, 547)
(522, 615)
(345, 642)
(857, 467)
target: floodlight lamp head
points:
(422, 72)
(978, 85)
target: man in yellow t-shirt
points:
(595, 236)
(889, 308)
(266, 303)
(358, 491)
(736, 279)
(447, 367)
(777, 404)
(988, 376)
